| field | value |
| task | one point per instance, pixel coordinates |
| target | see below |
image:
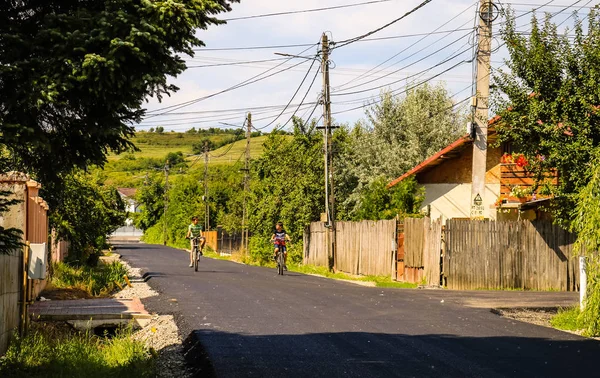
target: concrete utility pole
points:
(487, 14)
(166, 200)
(206, 207)
(246, 183)
(329, 196)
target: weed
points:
(50, 352)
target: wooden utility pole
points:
(246, 183)
(329, 197)
(480, 107)
(166, 200)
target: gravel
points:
(161, 334)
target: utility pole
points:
(246, 183)
(329, 197)
(480, 104)
(166, 200)
(206, 207)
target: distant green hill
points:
(130, 169)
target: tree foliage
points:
(549, 101)
(86, 213)
(587, 225)
(74, 74)
(287, 186)
(399, 133)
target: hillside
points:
(130, 169)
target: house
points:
(447, 178)
(131, 205)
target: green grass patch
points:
(53, 351)
(95, 281)
(567, 319)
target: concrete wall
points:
(11, 266)
(453, 200)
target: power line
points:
(425, 35)
(406, 89)
(306, 10)
(256, 47)
(270, 47)
(303, 99)
(236, 63)
(295, 93)
(355, 39)
(413, 63)
(246, 82)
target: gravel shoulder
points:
(161, 334)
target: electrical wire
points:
(406, 89)
(295, 93)
(355, 39)
(301, 102)
(411, 64)
(425, 35)
(246, 82)
(306, 10)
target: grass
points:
(51, 351)
(567, 319)
(93, 281)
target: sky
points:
(434, 44)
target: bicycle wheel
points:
(280, 263)
(196, 258)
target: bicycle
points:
(280, 260)
(196, 252)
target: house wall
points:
(458, 170)
(453, 200)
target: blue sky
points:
(410, 58)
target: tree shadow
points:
(361, 354)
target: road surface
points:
(252, 323)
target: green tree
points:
(151, 199)
(286, 186)
(74, 75)
(86, 214)
(399, 133)
(160, 129)
(175, 158)
(206, 143)
(549, 102)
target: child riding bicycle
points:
(279, 238)
(195, 231)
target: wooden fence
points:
(363, 248)
(29, 216)
(509, 255)
(422, 251)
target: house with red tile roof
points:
(447, 178)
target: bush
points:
(260, 250)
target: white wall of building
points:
(454, 200)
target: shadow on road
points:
(362, 354)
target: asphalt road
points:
(253, 323)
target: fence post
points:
(582, 282)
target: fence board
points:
(509, 255)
